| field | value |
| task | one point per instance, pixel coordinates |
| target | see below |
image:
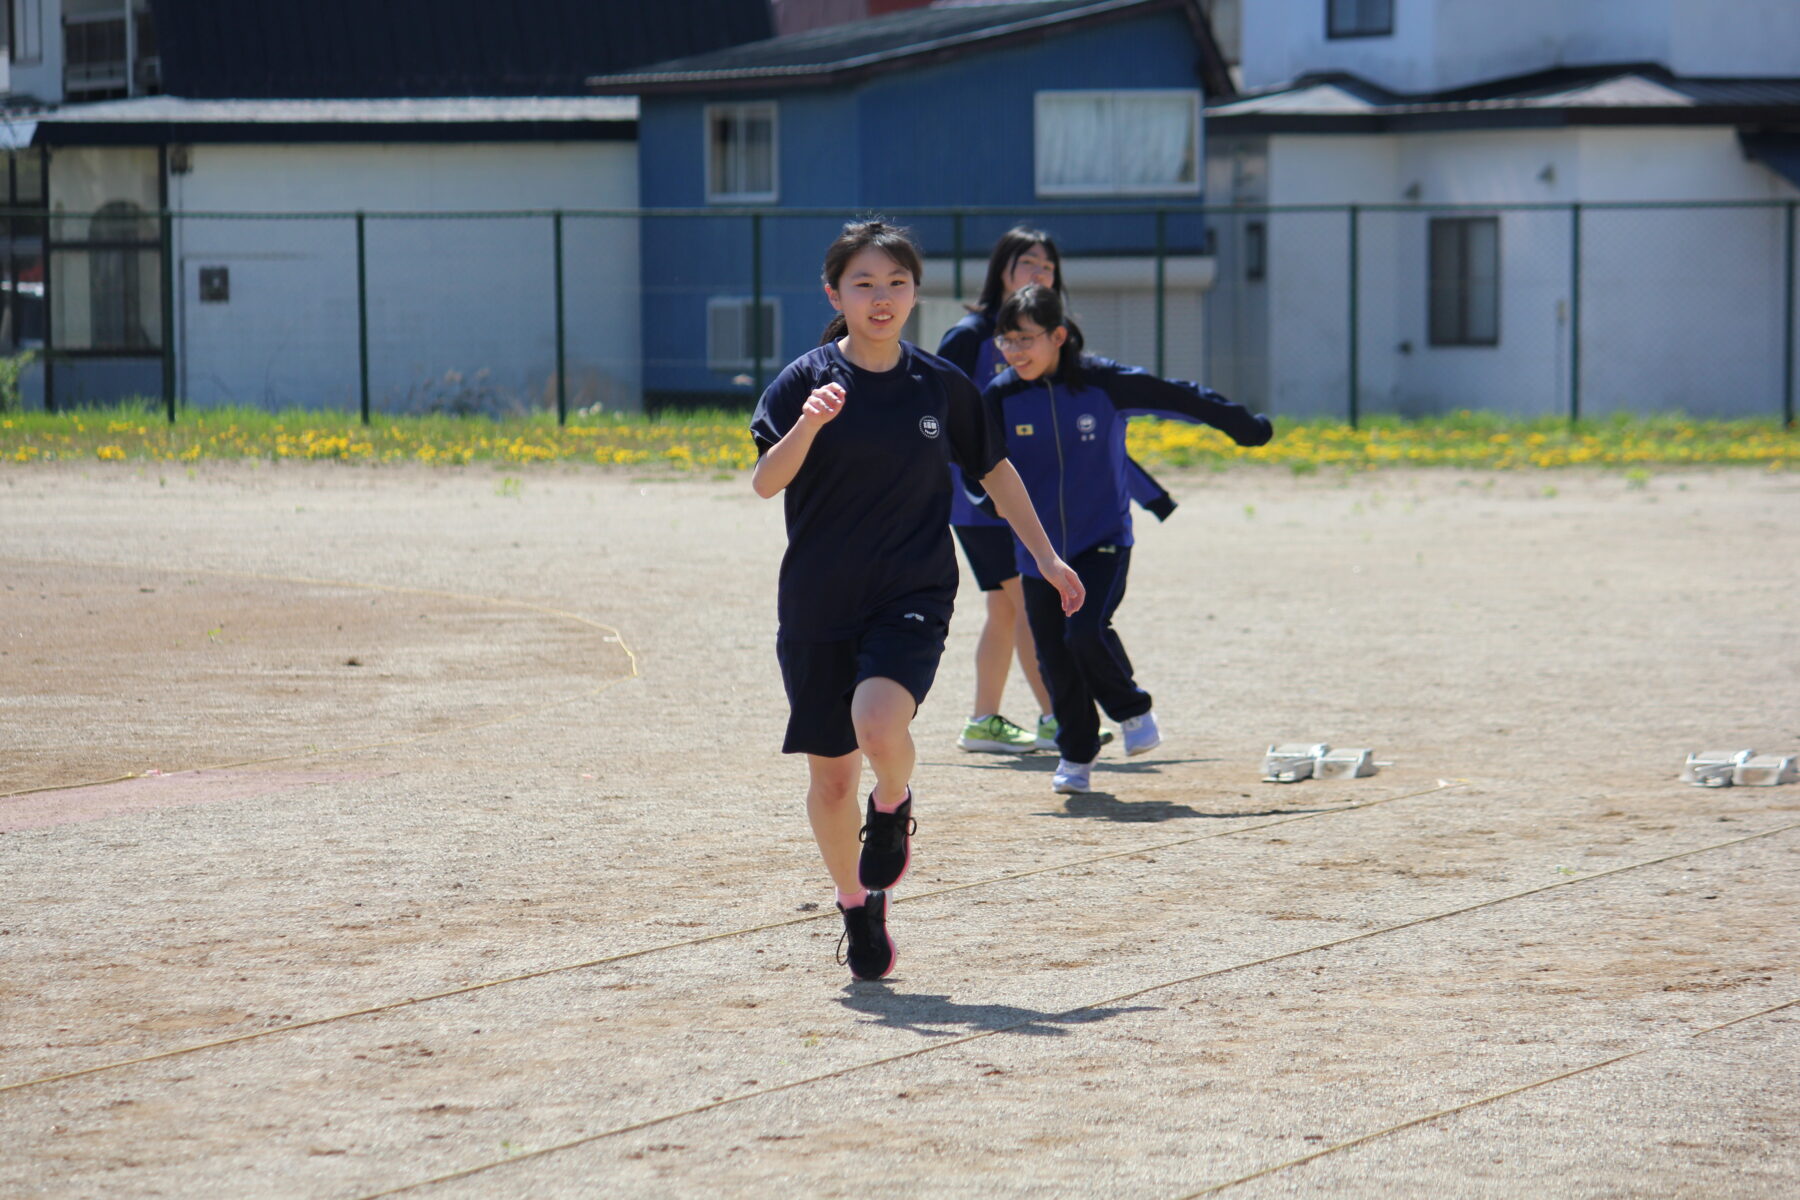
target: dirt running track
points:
(434, 841)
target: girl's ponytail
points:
(835, 330)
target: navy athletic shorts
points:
(820, 677)
(989, 549)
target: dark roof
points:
(1619, 94)
(163, 120)
(341, 49)
(841, 53)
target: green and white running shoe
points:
(996, 735)
(1046, 734)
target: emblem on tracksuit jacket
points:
(928, 425)
(1024, 430)
(1085, 424)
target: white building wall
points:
(1439, 44)
(1734, 38)
(459, 310)
(1308, 288)
(1681, 308)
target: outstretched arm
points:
(1013, 503)
(777, 468)
(1135, 393)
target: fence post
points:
(168, 314)
(1787, 349)
(1574, 314)
(562, 392)
(362, 310)
(756, 305)
(1354, 317)
(956, 251)
(1162, 239)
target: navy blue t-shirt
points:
(868, 513)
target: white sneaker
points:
(1141, 734)
(1071, 779)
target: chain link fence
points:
(1307, 311)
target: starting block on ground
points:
(1290, 762)
(1766, 770)
(1714, 768)
(1344, 763)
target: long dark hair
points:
(858, 236)
(1043, 307)
(1013, 243)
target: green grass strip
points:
(718, 442)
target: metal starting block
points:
(1767, 770)
(1290, 762)
(1344, 763)
(1715, 768)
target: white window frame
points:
(742, 110)
(739, 307)
(1047, 98)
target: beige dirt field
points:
(372, 831)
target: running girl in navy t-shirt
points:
(1063, 414)
(859, 433)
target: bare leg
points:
(832, 807)
(882, 710)
(994, 651)
(1028, 663)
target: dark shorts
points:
(820, 677)
(990, 552)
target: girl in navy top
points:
(1022, 256)
(858, 434)
(1064, 414)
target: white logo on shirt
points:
(1085, 424)
(915, 616)
(928, 425)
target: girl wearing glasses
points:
(858, 435)
(1022, 256)
(1064, 415)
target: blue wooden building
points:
(1081, 116)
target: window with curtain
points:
(740, 152)
(1128, 143)
(1464, 296)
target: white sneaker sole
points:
(1134, 751)
(1070, 789)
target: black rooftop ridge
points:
(369, 49)
(856, 49)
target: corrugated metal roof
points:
(837, 49)
(253, 49)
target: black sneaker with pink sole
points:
(886, 844)
(866, 947)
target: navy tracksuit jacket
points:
(1067, 441)
(970, 345)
